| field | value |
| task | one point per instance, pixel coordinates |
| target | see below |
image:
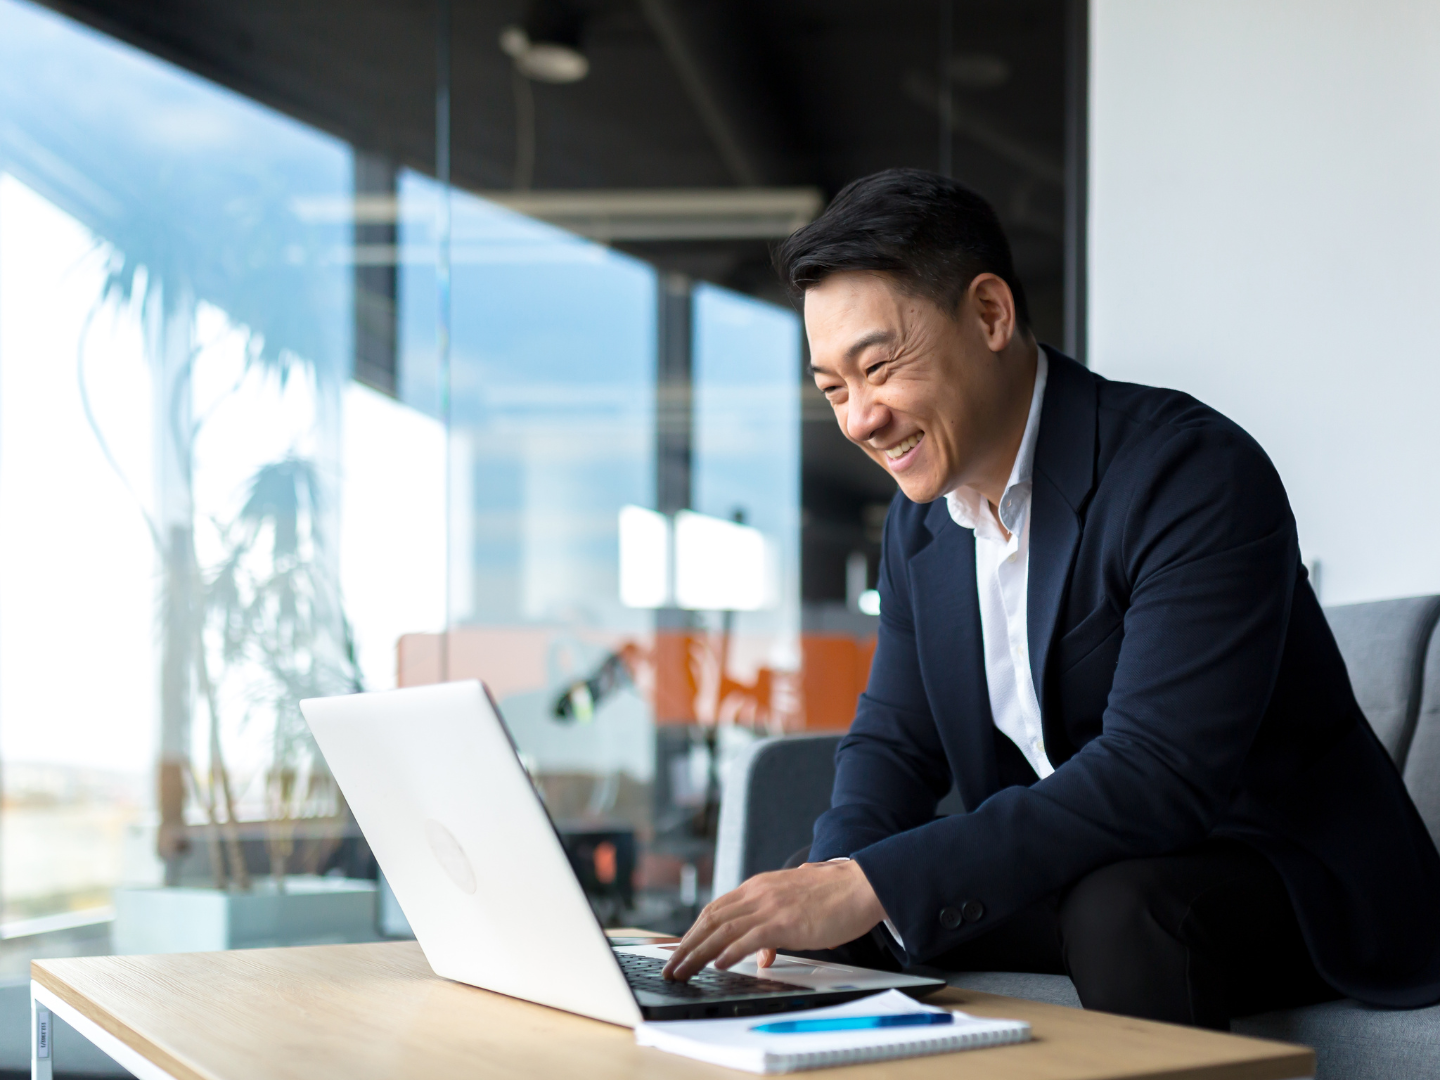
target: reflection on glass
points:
(231, 477)
(177, 334)
(559, 555)
(721, 565)
(552, 376)
(645, 562)
(77, 649)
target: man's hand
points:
(814, 906)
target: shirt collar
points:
(969, 508)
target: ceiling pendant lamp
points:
(546, 45)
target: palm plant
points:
(274, 606)
(193, 190)
(265, 620)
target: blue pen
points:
(851, 1023)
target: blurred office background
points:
(353, 346)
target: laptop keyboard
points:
(643, 973)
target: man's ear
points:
(993, 306)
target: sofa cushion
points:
(1357, 1042)
(1422, 763)
(1384, 644)
(1051, 989)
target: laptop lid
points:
(465, 842)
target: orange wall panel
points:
(671, 669)
(836, 669)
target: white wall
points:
(1265, 234)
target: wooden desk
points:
(377, 1011)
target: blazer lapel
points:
(1064, 476)
(951, 649)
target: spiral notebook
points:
(736, 1044)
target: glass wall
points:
(280, 417)
(175, 341)
(747, 454)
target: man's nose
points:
(864, 416)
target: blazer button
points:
(972, 910)
(951, 918)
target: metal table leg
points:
(42, 1061)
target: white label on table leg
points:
(42, 1034)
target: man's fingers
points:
(695, 950)
(680, 954)
(811, 907)
(734, 917)
(751, 941)
(716, 918)
(707, 949)
(698, 932)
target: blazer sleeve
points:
(890, 769)
(1204, 569)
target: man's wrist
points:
(882, 917)
(866, 892)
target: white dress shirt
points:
(1002, 575)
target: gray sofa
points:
(774, 792)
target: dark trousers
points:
(1196, 937)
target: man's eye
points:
(873, 368)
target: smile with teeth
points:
(902, 448)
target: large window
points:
(280, 417)
(174, 345)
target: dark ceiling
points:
(681, 94)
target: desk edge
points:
(1290, 1061)
(1283, 1055)
(103, 1019)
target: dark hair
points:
(934, 236)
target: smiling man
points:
(1095, 624)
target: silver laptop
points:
(480, 872)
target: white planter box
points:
(311, 911)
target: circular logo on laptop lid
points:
(450, 855)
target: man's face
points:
(923, 392)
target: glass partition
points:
(747, 469)
(78, 691)
(281, 417)
(175, 339)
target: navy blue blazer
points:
(1189, 687)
